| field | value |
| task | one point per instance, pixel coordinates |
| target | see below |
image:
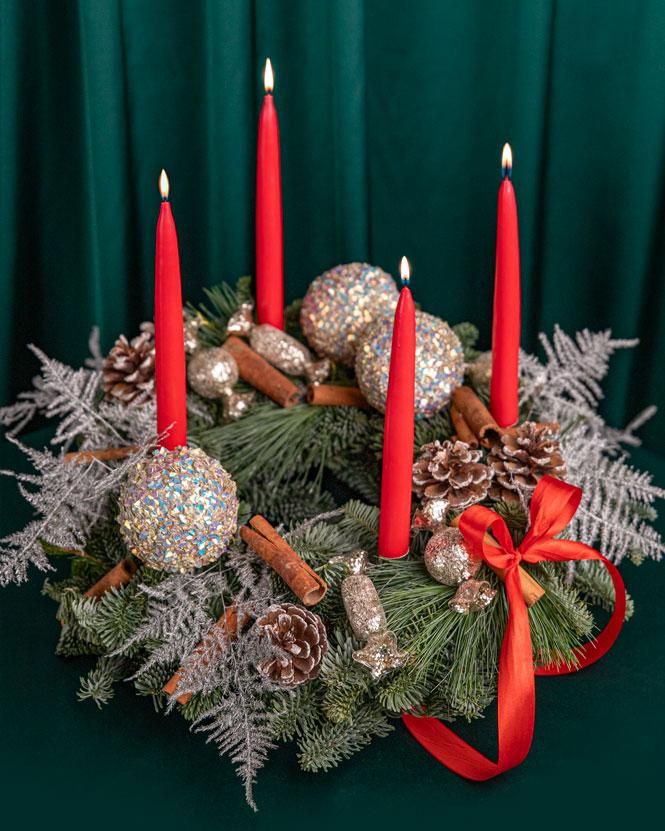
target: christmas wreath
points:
(236, 579)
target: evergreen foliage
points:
(290, 465)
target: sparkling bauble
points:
(341, 303)
(212, 372)
(449, 558)
(439, 363)
(178, 509)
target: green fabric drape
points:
(392, 119)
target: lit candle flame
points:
(405, 271)
(268, 79)
(507, 161)
(164, 185)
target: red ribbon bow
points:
(552, 507)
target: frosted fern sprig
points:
(69, 500)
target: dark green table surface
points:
(595, 758)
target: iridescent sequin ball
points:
(178, 509)
(439, 364)
(341, 304)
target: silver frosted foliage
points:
(178, 509)
(341, 304)
(367, 618)
(472, 596)
(280, 349)
(439, 363)
(449, 558)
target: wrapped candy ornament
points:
(439, 363)
(368, 619)
(277, 347)
(341, 304)
(178, 509)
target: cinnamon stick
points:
(296, 573)
(464, 432)
(84, 457)
(119, 575)
(228, 624)
(261, 375)
(531, 590)
(477, 416)
(327, 395)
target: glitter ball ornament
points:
(178, 509)
(341, 304)
(449, 559)
(439, 363)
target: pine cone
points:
(300, 640)
(452, 472)
(522, 458)
(128, 373)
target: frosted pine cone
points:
(451, 471)
(522, 458)
(300, 640)
(128, 373)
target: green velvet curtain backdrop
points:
(392, 119)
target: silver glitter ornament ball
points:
(178, 509)
(439, 363)
(449, 558)
(341, 304)
(212, 372)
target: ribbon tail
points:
(516, 704)
(591, 652)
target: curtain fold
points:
(392, 119)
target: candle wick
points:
(507, 172)
(406, 282)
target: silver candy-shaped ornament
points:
(368, 619)
(450, 560)
(213, 373)
(472, 596)
(277, 347)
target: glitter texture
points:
(341, 304)
(190, 330)
(472, 596)
(449, 559)
(367, 618)
(178, 509)
(479, 372)
(212, 372)
(281, 350)
(439, 364)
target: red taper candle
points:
(269, 245)
(170, 374)
(507, 304)
(395, 518)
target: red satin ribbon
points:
(552, 507)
